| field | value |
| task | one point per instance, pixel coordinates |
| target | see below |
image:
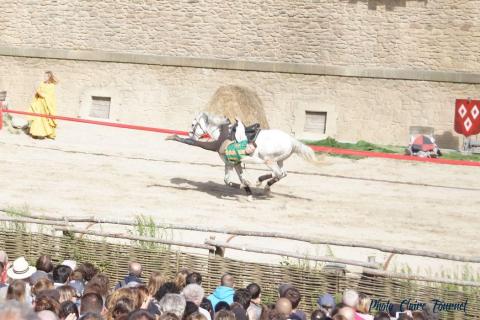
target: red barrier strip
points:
(101, 123)
(350, 152)
(373, 154)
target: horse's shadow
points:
(220, 190)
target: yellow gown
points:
(44, 127)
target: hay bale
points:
(236, 101)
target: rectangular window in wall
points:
(100, 107)
(315, 121)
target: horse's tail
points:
(304, 151)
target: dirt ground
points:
(120, 173)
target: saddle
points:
(251, 132)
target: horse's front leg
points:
(244, 181)
(228, 174)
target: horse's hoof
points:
(267, 189)
(250, 198)
(247, 183)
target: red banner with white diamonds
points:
(467, 117)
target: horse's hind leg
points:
(278, 173)
(263, 178)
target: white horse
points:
(273, 147)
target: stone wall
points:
(411, 34)
(375, 110)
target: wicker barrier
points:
(113, 258)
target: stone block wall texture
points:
(376, 110)
(411, 34)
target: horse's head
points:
(199, 126)
(205, 123)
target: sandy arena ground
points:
(119, 173)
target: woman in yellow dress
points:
(44, 102)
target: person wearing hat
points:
(20, 270)
(326, 303)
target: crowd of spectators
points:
(79, 291)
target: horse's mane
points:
(216, 119)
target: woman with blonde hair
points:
(44, 102)
(67, 293)
(16, 291)
(363, 307)
(156, 280)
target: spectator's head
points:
(207, 305)
(282, 289)
(67, 293)
(275, 315)
(135, 269)
(14, 310)
(46, 303)
(404, 316)
(61, 274)
(140, 315)
(168, 316)
(194, 293)
(326, 303)
(350, 298)
(141, 295)
(181, 278)
(347, 312)
(49, 293)
(294, 296)
(156, 280)
(284, 306)
(92, 316)
(91, 302)
(17, 291)
(167, 287)
(20, 270)
(88, 270)
(44, 263)
(122, 308)
(112, 299)
(41, 285)
(255, 292)
(227, 280)
(190, 308)
(196, 316)
(67, 308)
(47, 315)
(222, 305)
(39, 274)
(363, 304)
(99, 284)
(382, 316)
(174, 303)
(194, 277)
(242, 296)
(319, 315)
(224, 315)
(77, 275)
